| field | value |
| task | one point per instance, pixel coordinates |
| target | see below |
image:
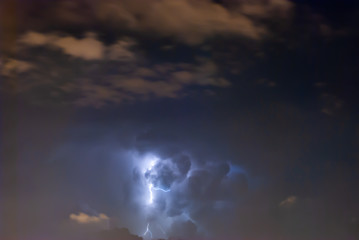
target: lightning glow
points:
(152, 164)
(149, 164)
(152, 161)
(161, 189)
(148, 231)
(150, 187)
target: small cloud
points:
(145, 72)
(183, 76)
(168, 47)
(14, 66)
(36, 39)
(87, 48)
(83, 218)
(267, 9)
(331, 104)
(120, 50)
(288, 202)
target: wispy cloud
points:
(84, 218)
(288, 202)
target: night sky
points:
(179, 119)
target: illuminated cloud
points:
(36, 39)
(221, 159)
(87, 48)
(181, 192)
(83, 218)
(133, 81)
(191, 21)
(121, 50)
(288, 201)
(12, 67)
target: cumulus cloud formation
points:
(100, 74)
(87, 48)
(137, 83)
(133, 80)
(121, 69)
(84, 218)
(192, 21)
(183, 190)
(288, 202)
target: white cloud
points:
(288, 201)
(83, 218)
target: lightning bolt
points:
(161, 189)
(148, 231)
(152, 188)
(150, 184)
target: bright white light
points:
(149, 162)
(149, 174)
(150, 186)
(161, 189)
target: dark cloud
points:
(101, 166)
(118, 233)
(183, 229)
(183, 20)
(85, 72)
(183, 163)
